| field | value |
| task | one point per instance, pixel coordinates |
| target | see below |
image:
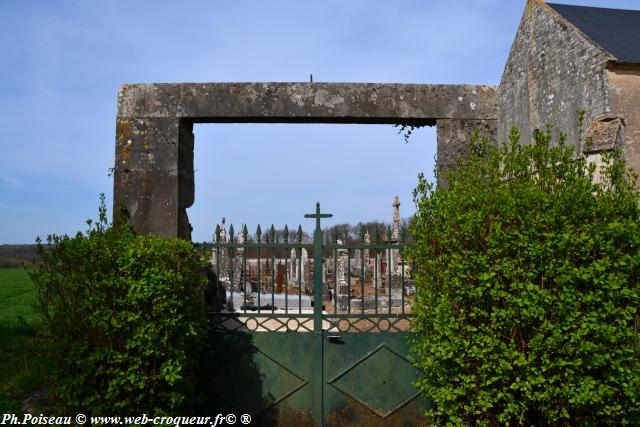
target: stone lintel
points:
(307, 102)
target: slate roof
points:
(616, 30)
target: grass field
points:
(20, 372)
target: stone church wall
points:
(553, 71)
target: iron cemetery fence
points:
(274, 278)
(312, 320)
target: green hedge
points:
(124, 318)
(527, 304)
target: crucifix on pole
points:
(317, 312)
(317, 216)
(317, 266)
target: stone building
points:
(566, 59)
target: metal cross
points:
(318, 215)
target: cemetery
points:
(360, 280)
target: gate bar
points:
(318, 410)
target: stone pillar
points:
(293, 270)
(394, 255)
(378, 271)
(224, 254)
(153, 174)
(238, 273)
(342, 293)
(367, 242)
(304, 266)
(454, 137)
(368, 266)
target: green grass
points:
(20, 372)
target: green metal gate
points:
(285, 360)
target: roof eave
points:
(610, 56)
(615, 63)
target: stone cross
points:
(396, 219)
(367, 242)
(395, 236)
(342, 293)
(219, 255)
(342, 262)
(238, 276)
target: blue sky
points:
(63, 61)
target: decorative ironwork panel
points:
(385, 392)
(368, 381)
(276, 381)
(368, 323)
(239, 322)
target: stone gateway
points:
(154, 141)
(564, 60)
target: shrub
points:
(527, 299)
(124, 319)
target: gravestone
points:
(280, 276)
(342, 293)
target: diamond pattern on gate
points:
(382, 381)
(254, 374)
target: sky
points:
(64, 60)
